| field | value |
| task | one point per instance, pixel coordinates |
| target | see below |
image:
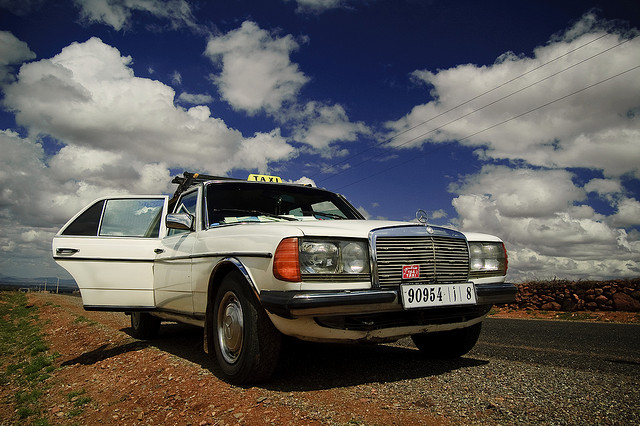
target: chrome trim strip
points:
(265, 255)
(243, 270)
(234, 254)
(415, 230)
(119, 308)
(100, 259)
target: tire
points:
(246, 343)
(144, 325)
(448, 344)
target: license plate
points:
(427, 295)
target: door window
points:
(87, 223)
(132, 218)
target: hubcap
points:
(230, 327)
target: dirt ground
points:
(134, 382)
(118, 379)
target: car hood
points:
(346, 228)
(329, 228)
(362, 228)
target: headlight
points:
(334, 257)
(355, 259)
(487, 259)
(321, 257)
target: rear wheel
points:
(246, 343)
(448, 344)
(144, 325)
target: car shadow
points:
(104, 352)
(306, 366)
(309, 366)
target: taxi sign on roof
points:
(265, 178)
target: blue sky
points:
(519, 119)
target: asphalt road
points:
(605, 347)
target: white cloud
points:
(117, 133)
(256, 71)
(628, 213)
(438, 214)
(603, 186)
(176, 78)
(257, 75)
(12, 52)
(117, 14)
(540, 216)
(534, 266)
(87, 96)
(368, 216)
(28, 218)
(194, 99)
(305, 181)
(320, 125)
(596, 128)
(524, 192)
(317, 6)
(607, 189)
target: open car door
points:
(109, 249)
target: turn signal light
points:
(286, 263)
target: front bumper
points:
(292, 304)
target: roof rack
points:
(187, 180)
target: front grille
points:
(441, 259)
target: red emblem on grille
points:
(410, 271)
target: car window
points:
(87, 223)
(131, 218)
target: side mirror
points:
(181, 221)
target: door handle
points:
(158, 251)
(66, 251)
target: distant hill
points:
(37, 283)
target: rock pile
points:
(615, 295)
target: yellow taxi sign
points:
(264, 178)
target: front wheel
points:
(448, 344)
(246, 343)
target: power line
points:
(472, 99)
(493, 126)
(435, 129)
(514, 93)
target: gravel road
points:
(521, 372)
(548, 372)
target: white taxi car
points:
(249, 261)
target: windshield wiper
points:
(256, 213)
(329, 215)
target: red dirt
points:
(133, 382)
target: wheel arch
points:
(221, 270)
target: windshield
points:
(233, 202)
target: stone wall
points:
(615, 295)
